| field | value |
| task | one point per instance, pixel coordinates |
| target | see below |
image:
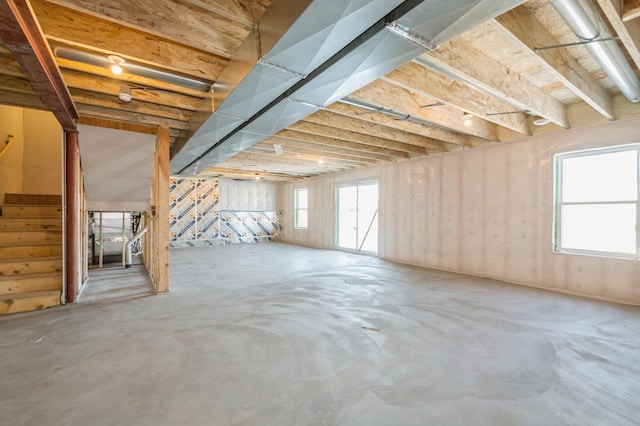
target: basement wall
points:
(486, 212)
(211, 211)
(11, 179)
(42, 153)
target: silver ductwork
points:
(331, 50)
(583, 19)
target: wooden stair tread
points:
(28, 276)
(31, 259)
(27, 244)
(37, 199)
(29, 294)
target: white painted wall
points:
(486, 212)
(42, 153)
(247, 196)
(11, 179)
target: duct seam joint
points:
(281, 68)
(409, 35)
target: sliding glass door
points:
(358, 217)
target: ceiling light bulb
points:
(321, 161)
(467, 119)
(117, 62)
(257, 177)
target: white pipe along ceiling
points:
(315, 53)
(583, 19)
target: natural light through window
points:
(301, 205)
(598, 202)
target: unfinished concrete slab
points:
(273, 334)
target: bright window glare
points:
(599, 227)
(602, 177)
(598, 203)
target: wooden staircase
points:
(30, 252)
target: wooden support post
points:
(72, 213)
(161, 180)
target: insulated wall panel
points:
(486, 212)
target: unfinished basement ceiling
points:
(496, 71)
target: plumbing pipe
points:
(583, 19)
(128, 247)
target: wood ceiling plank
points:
(8, 66)
(22, 100)
(178, 21)
(417, 78)
(328, 141)
(331, 149)
(126, 78)
(631, 10)
(96, 111)
(456, 140)
(17, 85)
(349, 136)
(303, 158)
(339, 121)
(257, 162)
(469, 63)
(318, 153)
(141, 107)
(525, 29)
(111, 86)
(400, 99)
(149, 130)
(77, 29)
(628, 32)
(218, 171)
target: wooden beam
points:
(346, 135)
(112, 101)
(328, 149)
(329, 141)
(461, 59)
(94, 34)
(180, 22)
(95, 111)
(109, 124)
(72, 215)
(524, 29)
(631, 10)
(418, 79)
(161, 180)
(21, 33)
(328, 155)
(628, 32)
(22, 100)
(111, 86)
(129, 79)
(339, 121)
(400, 99)
(366, 116)
(218, 171)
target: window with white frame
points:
(597, 209)
(301, 208)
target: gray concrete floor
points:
(272, 334)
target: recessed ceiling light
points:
(467, 119)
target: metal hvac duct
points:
(332, 49)
(583, 19)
